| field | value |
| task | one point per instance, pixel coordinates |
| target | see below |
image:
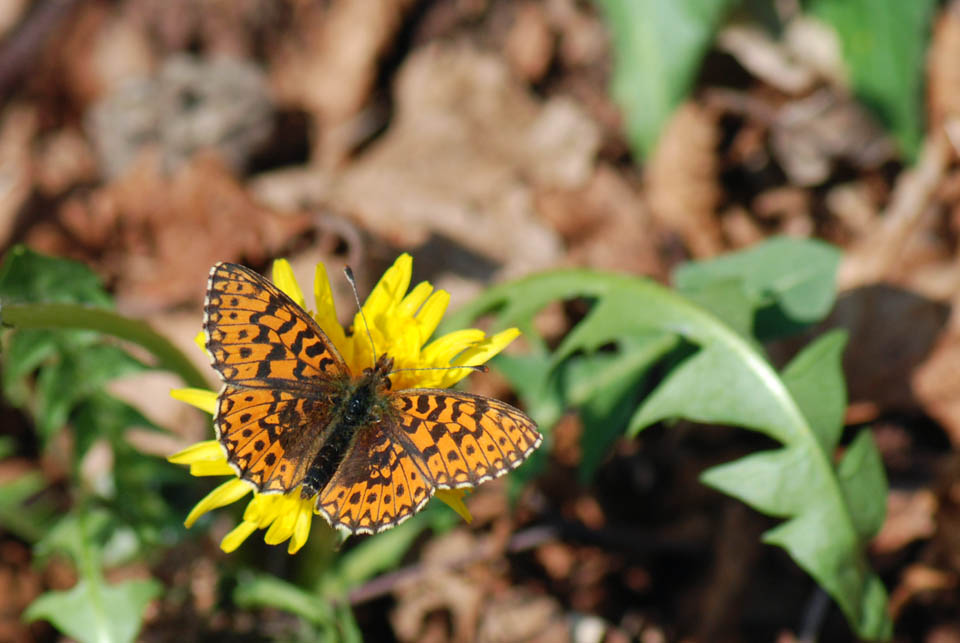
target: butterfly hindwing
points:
(258, 337)
(262, 433)
(379, 483)
(464, 439)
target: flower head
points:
(400, 325)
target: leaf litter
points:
(485, 130)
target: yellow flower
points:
(400, 322)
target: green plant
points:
(722, 308)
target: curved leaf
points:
(831, 511)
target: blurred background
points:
(148, 139)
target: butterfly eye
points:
(356, 407)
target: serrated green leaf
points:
(774, 482)
(815, 380)
(657, 50)
(864, 485)
(723, 384)
(885, 45)
(783, 277)
(104, 614)
(728, 380)
(28, 276)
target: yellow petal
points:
(479, 354)
(390, 289)
(236, 537)
(206, 451)
(220, 468)
(200, 339)
(414, 299)
(227, 493)
(284, 280)
(201, 398)
(301, 531)
(326, 308)
(440, 351)
(281, 529)
(454, 499)
(431, 313)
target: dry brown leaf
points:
(918, 579)
(329, 67)
(63, 160)
(683, 189)
(882, 254)
(810, 134)
(17, 131)
(440, 587)
(910, 517)
(944, 74)
(522, 617)
(529, 45)
(765, 58)
(156, 236)
(459, 160)
(191, 105)
(605, 225)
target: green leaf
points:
(262, 590)
(791, 282)
(728, 380)
(815, 380)
(27, 276)
(92, 610)
(864, 485)
(28, 520)
(608, 385)
(96, 614)
(75, 376)
(885, 45)
(657, 50)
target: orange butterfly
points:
(291, 414)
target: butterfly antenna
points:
(479, 369)
(356, 298)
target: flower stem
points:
(75, 316)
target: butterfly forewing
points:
(258, 337)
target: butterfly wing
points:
(277, 366)
(464, 439)
(262, 432)
(378, 485)
(436, 439)
(258, 337)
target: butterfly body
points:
(357, 405)
(291, 414)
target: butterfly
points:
(291, 414)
